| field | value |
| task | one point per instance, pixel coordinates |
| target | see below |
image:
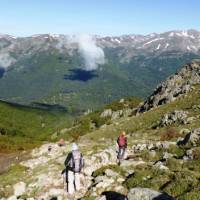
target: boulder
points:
(184, 131)
(19, 188)
(117, 114)
(152, 153)
(160, 166)
(192, 138)
(147, 194)
(101, 198)
(12, 198)
(177, 116)
(167, 155)
(111, 173)
(106, 113)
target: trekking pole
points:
(63, 185)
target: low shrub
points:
(169, 134)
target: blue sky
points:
(103, 17)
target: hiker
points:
(61, 142)
(122, 145)
(74, 164)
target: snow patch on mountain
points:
(154, 40)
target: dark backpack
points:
(122, 141)
(76, 162)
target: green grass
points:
(102, 170)
(23, 127)
(146, 176)
(12, 176)
(182, 179)
(144, 122)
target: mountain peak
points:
(175, 86)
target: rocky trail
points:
(101, 178)
(43, 179)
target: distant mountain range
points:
(50, 68)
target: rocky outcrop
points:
(152, 146)
(116, 114)
(147, 194)
(177, 116)
(174, 87)
(192, 138)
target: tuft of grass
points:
(12, 176)
(145, 176)
(102, 170)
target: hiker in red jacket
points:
(122, 145)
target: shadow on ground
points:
(2, 71)
(163, 197)
(80, 75)
(110, 195)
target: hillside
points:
(162, 159)
(24, 127)
(51, 68)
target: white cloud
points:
(6, 60)
(92, 54)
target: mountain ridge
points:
(50, 68)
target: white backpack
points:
(76, 162)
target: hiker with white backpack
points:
(74, 164)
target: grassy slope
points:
(182, 181)
(145, 121)
(23, 127)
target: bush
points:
(169, 134)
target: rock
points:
(147, 194)
(177, 116)
(106, 183)
(106, 113)
(151, 147)
(111, 173)
(152, 153)
(121, 101)
(117, 114)
(127, 163)
(191, 119)
(196, 107)
(127, 112)
(192, 138)
(160, 166)
(195, 137)
(99, 179)
(101, 198)
(19, 188)
(120, 180)
(192, 154)
(129, 171)
(184, 131)
(174, 87)
(189, 154)
(167, 155)
(55, 192)
(12, 198)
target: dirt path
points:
(6, 160)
